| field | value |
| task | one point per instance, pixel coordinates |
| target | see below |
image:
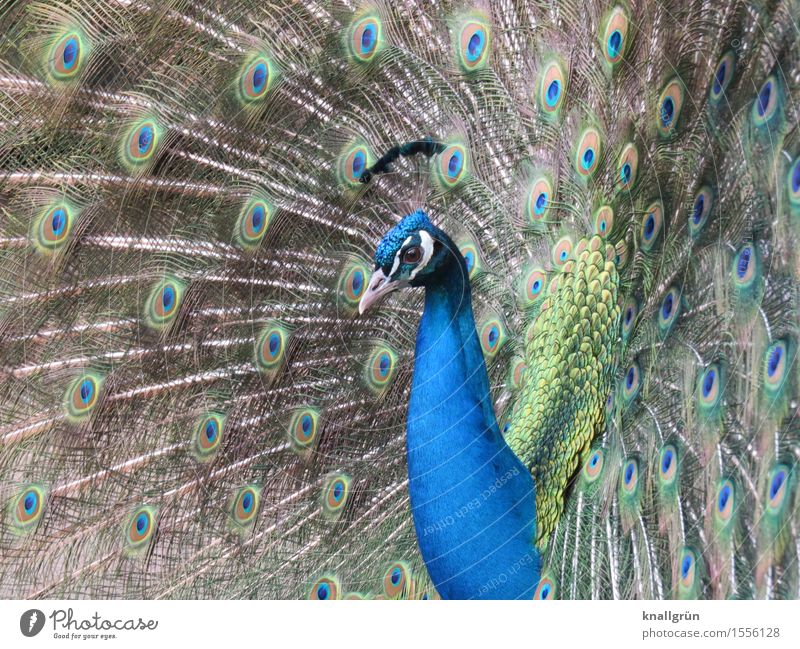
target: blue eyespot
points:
(724, 496)
(614, 44)
(708, 382)
(588, 158)
(774, 360)
(274, 342)
(493, 335)
(168, 298)
(796, 178)
(545, 592)
(699, 204)
(776, 484)
(625, 173)
(719, 78)
(594, 460)
(553, 92)
(630, 377)
(359, 163)
(649, 226)
(257, 218)
(455, 163)
(87, 390)
(338, 490)
(323, 592)
(686, 566)
(541, 203)
(70, 53)
(368, 37)
(469, 259)
(357, 282)
(259, 77)
(396, 576)
(247, 502)
(59, 221)
(305, 423)
(211, 430)
(141, 523)
(30, 502)
(666, 306)
(145, 139)
(666, 461)
(667, 111)
(763, 98)
(475, 45)
(629, 473)
(744, 262)
(384, 364)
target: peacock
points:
(349, 299)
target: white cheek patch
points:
(426, 241)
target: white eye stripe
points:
(426, 241)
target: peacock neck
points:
(473, 501)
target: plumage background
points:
(189, 406)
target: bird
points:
(408, 300)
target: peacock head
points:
(413, 253)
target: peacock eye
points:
(412, 255)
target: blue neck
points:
(473, 501)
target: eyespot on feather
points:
(67, 55)
(353, 283)
(140, 143)
(546, 588)
(670, 105)
(163, 303)
(668, 311)
(398, 581)
(615, 35)
(552, 88)
(353, 162)
(327, 587)
(628, 166)
(380, 368)
(253, 222)
(593, 467)
(255, 79)
(451, 166)
(723, 75)
(588, 152)
(492, 337)
(652, 223)
(27, 508)
(701, 209)
(270, 347)
(82, 395)
(303, 428)
(244, 507)
(473, 43)
(364, 38)
(207, 436)
(768, 102)
(139, 530)
(562, 251)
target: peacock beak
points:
(379, 285)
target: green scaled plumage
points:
(189, 404)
